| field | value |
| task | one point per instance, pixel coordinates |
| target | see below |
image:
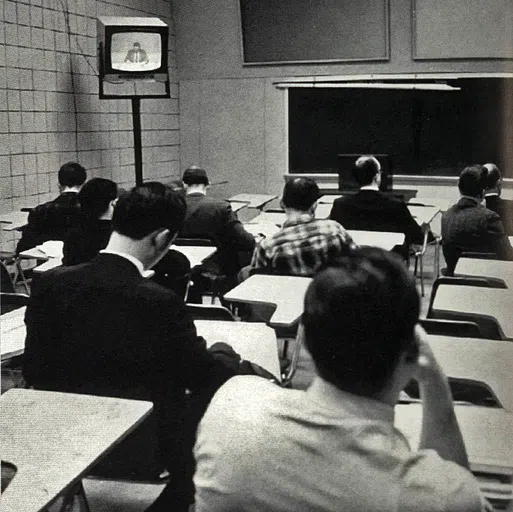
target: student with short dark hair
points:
(494, 201)
(55, 219)
(335, 447)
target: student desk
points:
(487, 361)
(328, 199)
(486, 268)
(55, 438)
(13, 332)
(12, 221)
(253, 200)
(323, 211)
(287, 292)
(265, 229)
(195, 254)
(423, 214)
(510, 239)
(440, 203)
(238, 205)
(382, 239)
(254, 342)
(493, 302)
(276, 218)
(47, 265)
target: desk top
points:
(276, 218)
(486, 268)
(13, 332)
(55, 438)
(195, 253)
(328, 199)
(487, 361)
(255, 342)
(323, 210)
(253, 200)
(423, 214)
(440, 203)
(383, 239)
(13, 220)
(287, 292)
(486, 433)
(258, 229)
(47, 265)
(477, 300)
(238, 205)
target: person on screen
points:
(137, 55)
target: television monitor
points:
(346, 180)
(132, 48)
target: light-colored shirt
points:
(263, 448)
(138, 264)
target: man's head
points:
(146, 221)
(300, 194)
(97, 198)
(359, 321)
(493, 178)
(195, 178)
(367, 171)
(72, 176)
(137, 46)
(472, 181)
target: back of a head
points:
(300, 194)
(147, 208)
(493, 176)
(72, 174)
(472, 180)
(359, 317)
(365, 168)
(96, 195)
(195, 175)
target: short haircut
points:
(365, 168)
(146, 208)
(359, 317)
(300, 194)
(472, 180)
(493, 175)
(195, 175)
(94, 197)
(72, 174)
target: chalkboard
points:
(296, 31)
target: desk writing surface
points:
(13, 332)
(287, 292)
(510, 240)
(47, 265)
(486, 268)
(276, 218)
(328, 199)
(423, 214)
(323, 211)
(383, 239)
(473, 299)
(253, 200)
(487, 361)
(238, 205)
(55, 438)
(13, 220)
(438, 202)
(254, 341)
(257, 229)
(195, 253)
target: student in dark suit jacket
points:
(103, 328)
(54, 220)
(97, 198)
(371, 210)
(494, 201)
(214, 219)
(470, 226)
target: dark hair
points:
(72, 174)
(364, 170)
(493, 175)
(472, 180)
(147, 208)
(359, 317)
(137, 44)
(195, 175)
(300, 193)
(94, 197)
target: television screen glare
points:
(136, 51)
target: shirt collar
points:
(196, 193)
(326, 394)
(370, 187)
(144, 273)
(491, 194)
(300, 219)
(474, 199)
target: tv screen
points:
(346, 180)
(136, 51)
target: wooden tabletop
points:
(487, 361)
(486, 432)
(254, 342)
(195, 253)
(493, 302)
(55, 438)
(253, 200)
(13, 220)
(486, 268)
(287, 292)
(383, 239)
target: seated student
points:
(103, 328)
(55, 219)
(334, 447)
(97, 198)
(493, 199)
(371, 210)
(469, 226)
(304, 244)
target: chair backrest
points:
(173, 271)
(209, 312)
(203, 242)
(11, 301)
(479, 255)
(451, 328)
(453, 252)
(6, 283)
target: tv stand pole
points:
(136, 128)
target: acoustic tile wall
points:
(50, 112)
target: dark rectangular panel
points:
(295, 31)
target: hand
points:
(428, 369)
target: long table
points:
(486, 268)
(53, 439)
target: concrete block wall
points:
(50, 112)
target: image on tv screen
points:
(136, 51)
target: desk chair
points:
(173, 271)
(453, 253)
(209, 312)
(451, 328)
(10, 258)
